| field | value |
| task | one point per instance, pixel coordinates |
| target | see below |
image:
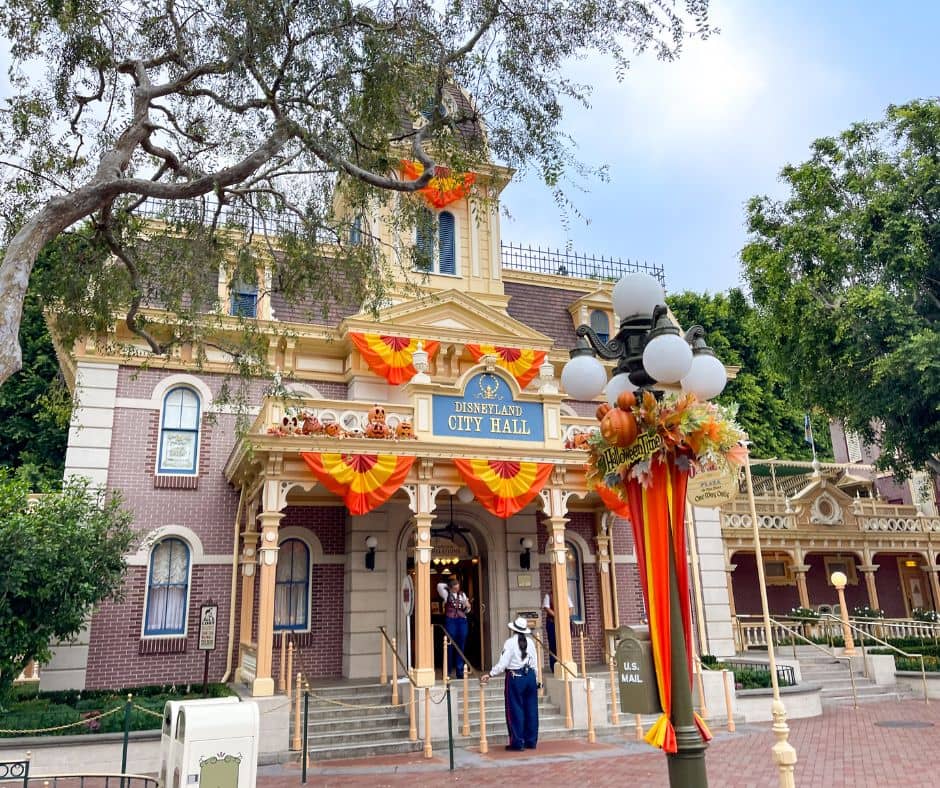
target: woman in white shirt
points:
(519, 663)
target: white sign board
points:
(208, 619)
(712, 489)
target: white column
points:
(714, 581)
(89, 445)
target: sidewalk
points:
(883, 744)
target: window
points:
(777, 570)
(355, 231)
(292, 586)
(179, 432)
(244, 299)
(443, 258)
(600, 322)
(853, 446)
(167, 588)
(842, 564)
(574, 580)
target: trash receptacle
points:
(215, 746)
(168, 735)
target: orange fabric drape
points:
(390, 357)
(444, 188)
(522, 363)
(504, 487)
(657, 512)
(613, 501)
(363, 481)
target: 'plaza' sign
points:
(712, 489)
(487, 410)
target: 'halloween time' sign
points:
(487, 410)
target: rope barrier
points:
(151, 712)
(75, 724)
(357, 705)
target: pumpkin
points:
(619, 427)
(377, 429)
(311, 425)
(602, 410)
(377, 415)
(626, 400)
(405, 430)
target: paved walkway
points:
(883, 744)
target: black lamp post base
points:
(687, 765)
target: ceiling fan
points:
(451, 530)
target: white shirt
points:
(511, 658)
(444, 591)
(547, 602)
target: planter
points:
(800, 701)
(912, 680)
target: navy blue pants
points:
(457, 632)
(522, 710)
(550, 631)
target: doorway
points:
(914, 585)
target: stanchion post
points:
(569, 722)
(428, 752)
(127, 730)
(581, 637)
(703, 708)
(638, 722)
(446, 666)
(394, 671)
(295, 743)
(484, 745)
(727, 680)
(614, 711)
(305, 755)
(282, 679)
(466, 700)
(591, 736)
(412, 721)
(383, 672)
(290, 665)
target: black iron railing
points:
(785, 675)
(560, 262)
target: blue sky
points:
(689, 142)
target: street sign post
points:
(208, 623)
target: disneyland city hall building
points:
(389, 453)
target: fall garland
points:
(635, 433)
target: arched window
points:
(167, 588)
(355, 231)
(179, 432)
(575, 580)
(292, 586)
(600, 322)
(442, 257)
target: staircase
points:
(833, 675)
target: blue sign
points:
(487, 410)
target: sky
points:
(689, 142)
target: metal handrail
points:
(864, 634)
(401, 662)
(467, 662)
(558, 661)
(848, 660)
(107, 778)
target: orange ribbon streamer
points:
(444, 188)
(363, 481)
(391, 357)
(504, 487)
(613, 501)
(522, 363)
(657, 516)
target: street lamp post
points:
(839, 579)
(649, 349)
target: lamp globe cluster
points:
(649, 338)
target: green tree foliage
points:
(845, 272)
(35, 406)
(59, 556)
(273, 117)
(768, 410)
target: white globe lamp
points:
(465, 495)
(706, 377)
(667, 358)
(583, 377)
(637, 294)
(617, 385)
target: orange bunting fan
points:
(523, 364)
(391, 357)
(613, 502)
(444, 188)
(504, 487)
(363, 481)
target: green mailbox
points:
(636, 674)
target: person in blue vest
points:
(456, 607)
(519, 663)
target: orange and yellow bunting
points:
(391, 357)
(444, 188)
(522, 363)
(613, 501)
(363, 481)
(504, 487)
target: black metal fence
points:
(786, 677)
(560, 262)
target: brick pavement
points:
(844, 747)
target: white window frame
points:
(309, 611)
(160, 470)
(189, 587)
(435, 269)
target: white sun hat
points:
(521, 626)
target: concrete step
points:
(848, 700)
(352, 737)
(368, 750)
(365, 725)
